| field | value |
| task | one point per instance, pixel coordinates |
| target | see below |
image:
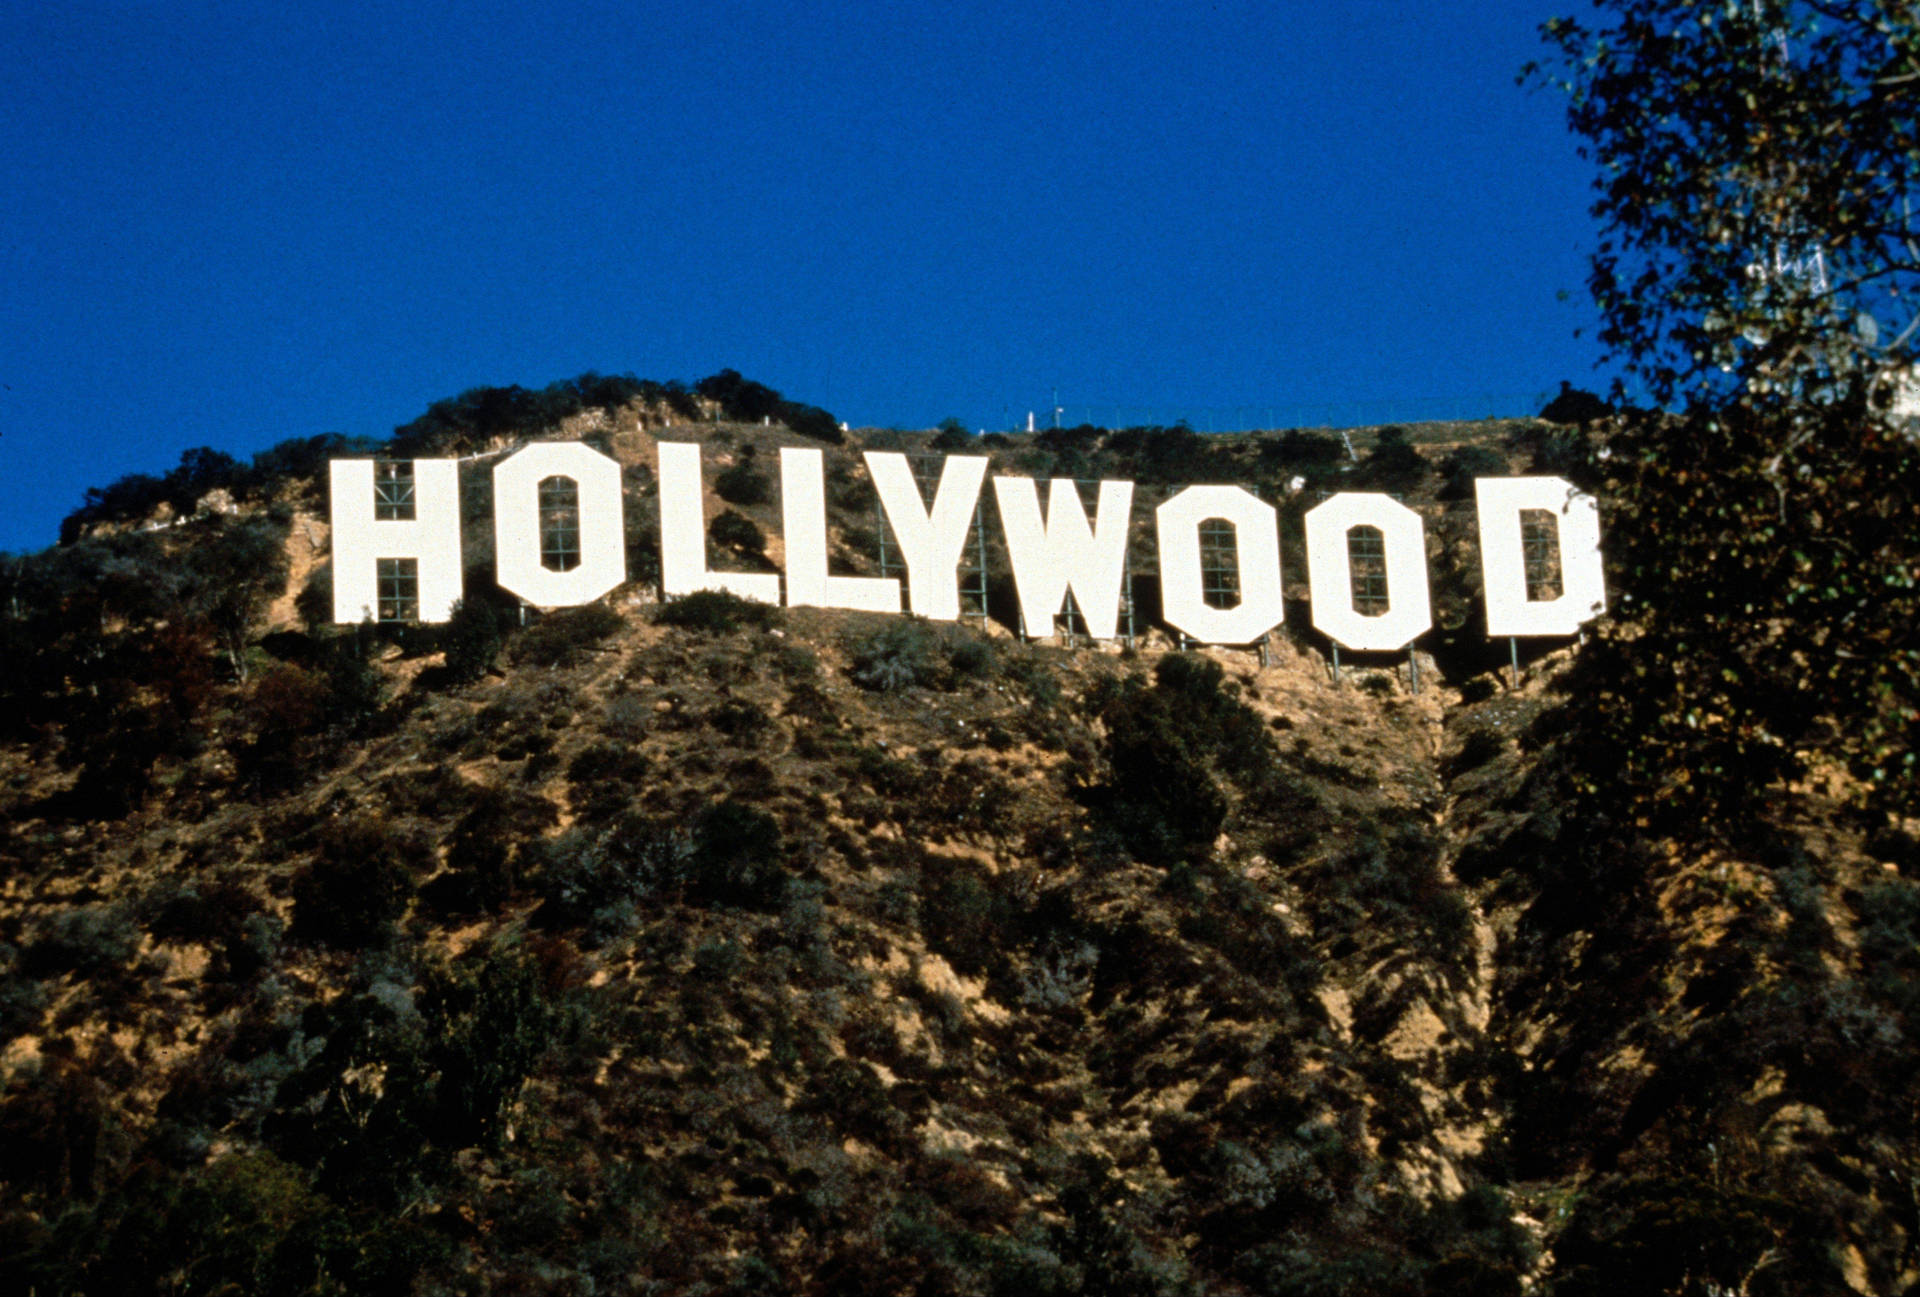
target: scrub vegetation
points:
(708, 946)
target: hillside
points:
(708, 947)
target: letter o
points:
(516, 524)
(1256, 530)
(1329, 570)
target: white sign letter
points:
(1256, 533)
(421, 530)
(600, 551)
(803, 512)
(1503, 562)
(1330, 572)
(1064, 553)
(930, 541)
(683, 533)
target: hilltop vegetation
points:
(713, 947)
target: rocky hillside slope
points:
(713, 948)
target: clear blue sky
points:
(228, 224)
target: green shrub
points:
(716, 612)
(953, 435)
(745, 401)
(739, 533)
(1164, 745)
(1297, 448)
(743, 484)
(1467, 464)
(587, 879)
(1569, 452)
(811, 421)
(736, 858)
(1669, 1234)
(741, 721)
(521, 723)
(740, 399)
(604, 777)
(211, 911)
(1393, 464)
(1889, 939)
(796, 663)
(314, 603)
(911, 652)
(484, 414)
(898, 657)
(971, 658)
(1175, 454)
(853, 1097)
(22, 1002)
(1574, 405)
(718, 960)
(967, 921)
(1480, 746)
(472, 639)
(52, 1119)
(137, 495)
(563, 638)
(358, 886)
(355, 691)
(1231, 733)
(90, 940)
(733, 855)
(305, 459)
(486, 851)
(488, 1024)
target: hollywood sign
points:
(1052, 554)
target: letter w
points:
(1064, 553)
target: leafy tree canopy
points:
(1758, 271)
(1759, 162)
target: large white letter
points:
(1064, 553)
(930, 540)
(1329, 571)
(803, 513)
(424, 531)
(1503, 562)
(683, 533)
(1256, 534)
(518, 559)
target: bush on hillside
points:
(1669, 1233)
(488, 1022)
(1171, 455)
(1298, 448)
(1464, 466)
(488, 847)
(716, 612)
(137, 495)
(811, 421)
(565, 637)
(360, 883)
(1393, 464)
(1165, 747)
(953, 435)
(745, 401)
(471, 638)
(91, 940)
(23, 1002)
(737, 857)
(482, 415)
(911, 652)
(739, 533)
(743, 484)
